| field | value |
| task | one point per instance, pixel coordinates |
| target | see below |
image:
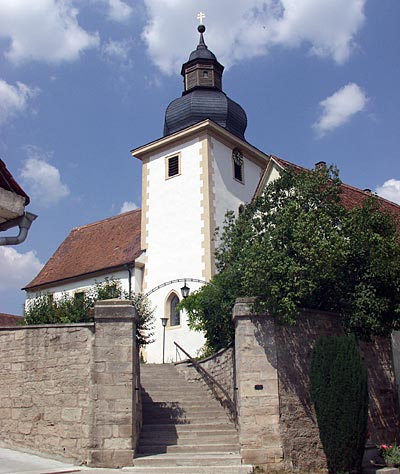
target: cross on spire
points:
(201, 17)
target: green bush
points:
(69, 309)
(339, 390)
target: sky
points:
(82, 82)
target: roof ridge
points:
(91, 224)
(342, 183)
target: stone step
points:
(170, 440)
(156, 409)
(182, 420)
(176, 398)
(188, 448)
(240, 469)
(192, 404)
(182, 428)
(198, 436)
(171, 391)
(175, 459)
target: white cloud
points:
(117, 50)
(338, 108)
(14, 99)
(17, 269)
(43, 30)
(119, 10)
(390, 189)
(247, 28)
(128, 206)
(42, 180)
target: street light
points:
(164, 323)
(185, 290)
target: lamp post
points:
(164, 323)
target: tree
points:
(296, 246)
(339, 389)
(69, 309)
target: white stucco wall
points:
(174, 242)
(175, 227)
(230, 193)
(85, 284)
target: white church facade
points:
(201, 168)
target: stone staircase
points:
(184, 429)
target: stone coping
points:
(43, 326)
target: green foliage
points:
(295, 247)
(71, 309)
(339, 389)
(390, 454)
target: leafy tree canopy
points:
(297, 246)
(72, 309)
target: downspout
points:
(129, 270)
(24, 223)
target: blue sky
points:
(84, 81)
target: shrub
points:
(339, 390)
(45, 310)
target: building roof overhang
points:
(202, 128)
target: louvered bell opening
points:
(173, 166)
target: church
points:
(198, 170)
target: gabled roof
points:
(94, 248)
(9, 319)
(351, 196)
(8, 183)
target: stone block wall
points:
(68, 390)
(279, 418)
(45, 374)
(216, 373)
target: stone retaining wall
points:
(69, 390)
(217, 375)
(45, 374)
(277, 422)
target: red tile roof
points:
(9, 319)
(8, 183)
(351, 196)
(98, 247)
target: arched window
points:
(174, 314)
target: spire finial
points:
(201, 29)
(201, 17)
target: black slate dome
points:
(203, 97)
(203, 104)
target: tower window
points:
(174, 314)
(237, 159)
(205, 73)
(173, 168)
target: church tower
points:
(201, 168)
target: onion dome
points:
(203, 97)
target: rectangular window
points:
(173, 168)
(238, 171)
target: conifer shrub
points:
(339, 390)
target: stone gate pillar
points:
(257, 387)
(116, 417)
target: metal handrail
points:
(211, 382)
